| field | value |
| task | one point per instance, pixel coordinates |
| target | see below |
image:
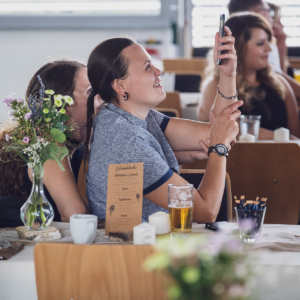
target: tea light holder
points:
(247, 138)
(281, 135)
(161, 222)
(144, 234)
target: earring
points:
(126, 97)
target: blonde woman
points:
(264, 92)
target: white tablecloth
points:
(17, 275)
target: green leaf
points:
(64, 118)
(22, 156)
(57, 135)
(61, 127)
(53, 152)
(68, 134)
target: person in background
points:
(263, 91)
(278, 54)
(66, 78)
(128, 130)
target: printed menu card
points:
(124, 197)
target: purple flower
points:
(27, 115)
(20, 100)
(11, 97)
(26, 140)
(7, 137)
(10, 113)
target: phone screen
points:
(222, 33)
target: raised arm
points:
(63, 190)
(184, 135)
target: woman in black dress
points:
(264, 92)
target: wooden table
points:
(17, 275)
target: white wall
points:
(22, 52)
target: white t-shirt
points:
(274, 59)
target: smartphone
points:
(222, 33)
(212, 226)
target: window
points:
(80, 7)
(206, 15)
(84, 14)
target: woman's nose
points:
(157, 72)
(268, 48)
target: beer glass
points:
(180, 203)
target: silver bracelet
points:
(232, 97)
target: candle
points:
(161, 222)
(144, 234)
(281, 135)
(247, 138)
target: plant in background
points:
(39, 133)
(203, 270)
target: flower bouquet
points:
(202, 270)
(38, 135)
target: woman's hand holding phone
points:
(229, 59)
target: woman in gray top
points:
(128, 130)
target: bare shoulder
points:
(287, 86)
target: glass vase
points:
(37, 212)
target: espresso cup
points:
(83, 228)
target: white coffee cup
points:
(83, 228)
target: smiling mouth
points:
(157, 85)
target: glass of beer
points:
(180, 203)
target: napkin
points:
(278, 241)
(7, 253)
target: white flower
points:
(49, 92)
(69, 100)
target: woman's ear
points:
(118, 86)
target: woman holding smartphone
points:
(128, 130)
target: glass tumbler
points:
(250, 125)
(181, 204)
(250, 223)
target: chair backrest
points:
(106, 272)
(294, 62)
(195, 177)
(172, 101)
(270, 170)
(170, 112)
(185, 66)
(81, 182)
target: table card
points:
(124, 197)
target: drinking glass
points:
(297, 74)
(180, 203)
(250, 223)
(250, 125)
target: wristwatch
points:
(219, 149)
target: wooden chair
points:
(195, 177)
(170, 112)
(81, 183)
(106, 272)
(269, 170)
(294, 62)
(185, 66)
(172, 101)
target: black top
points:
(267, 103)
(10, 205)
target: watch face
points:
(221, 149)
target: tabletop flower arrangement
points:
(202, 270)
(39, 132)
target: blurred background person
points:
(263, 91)
(278, 54)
